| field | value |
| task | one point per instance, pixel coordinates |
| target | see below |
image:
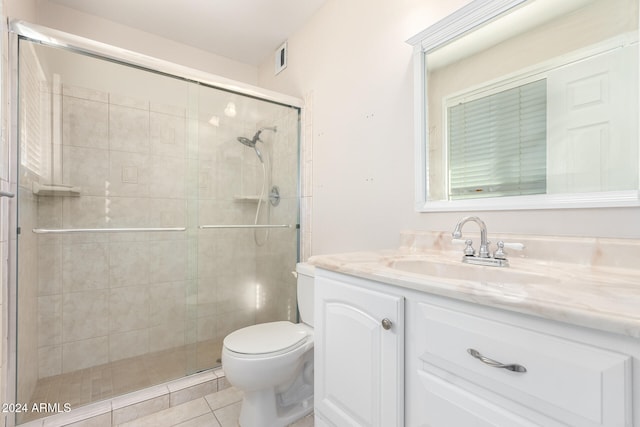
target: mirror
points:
(528, 104)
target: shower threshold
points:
(112, 380)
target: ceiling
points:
(248, 31)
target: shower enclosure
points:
(147, 230)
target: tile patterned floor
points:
(219, 409)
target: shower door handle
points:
(7, 194)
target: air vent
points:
(281, 58)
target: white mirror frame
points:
(464, 20)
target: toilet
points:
(272, 364)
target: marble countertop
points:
(589, 287)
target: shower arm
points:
(256, 137)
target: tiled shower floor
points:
(89, 385)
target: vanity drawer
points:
(569, 381)
(445, 405)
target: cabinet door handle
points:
(386, 324)
(495, 364)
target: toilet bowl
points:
(272, 364)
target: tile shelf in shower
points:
(55, 190)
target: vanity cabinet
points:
(465, 364)
(359, 352)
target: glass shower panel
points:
(103, 266)
(247, 216)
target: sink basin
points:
(457, 270)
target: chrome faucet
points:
(483, 257)
(484, 244)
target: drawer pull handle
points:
(386, 324)
(495, 364)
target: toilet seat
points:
(266, 339)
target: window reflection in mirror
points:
(541, 101)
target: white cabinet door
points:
(359, 352)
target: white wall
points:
(51, 15)
(352, 60)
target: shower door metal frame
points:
(56, 38)
(18, 29)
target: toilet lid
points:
(265, 338)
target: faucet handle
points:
(468, 249)
(514, 246)
(500, 253)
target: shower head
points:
(246, 141)
(253, 141)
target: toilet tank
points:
(306, 274)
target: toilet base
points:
(261, 409)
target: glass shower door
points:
(103, 252)
(156, 216)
